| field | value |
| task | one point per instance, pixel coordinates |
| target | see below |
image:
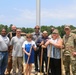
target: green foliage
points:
(61, 30)
(30, 30)
(27, 30)
(46, 28)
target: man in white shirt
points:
(4, 43)
(17, 53)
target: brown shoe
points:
(7, 73)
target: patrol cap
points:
(55, 31)
(45, 32)
(67, 27)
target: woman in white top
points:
(54, 48)
(29, 47)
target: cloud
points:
(20, 17)
(58, 14)
(27, 17)
(26, 14)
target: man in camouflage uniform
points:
(69, 40)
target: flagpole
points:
(38, 16)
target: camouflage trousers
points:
(17, 64)
(73, 64)
(67, 62)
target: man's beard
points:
(4, 35)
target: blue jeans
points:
(3, 62)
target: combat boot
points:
(67, 73)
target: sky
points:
(22, 13)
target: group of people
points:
(38, 48)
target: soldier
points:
(10, 35)
(69, 40)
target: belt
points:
(3, 51)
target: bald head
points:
(13, 28)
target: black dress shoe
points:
(49, 74)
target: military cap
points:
(67, 27)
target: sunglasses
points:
(54, 33)
(28, 37)
(18, 31)
(37, 28)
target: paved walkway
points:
(33, 71)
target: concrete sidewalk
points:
(33, 71)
